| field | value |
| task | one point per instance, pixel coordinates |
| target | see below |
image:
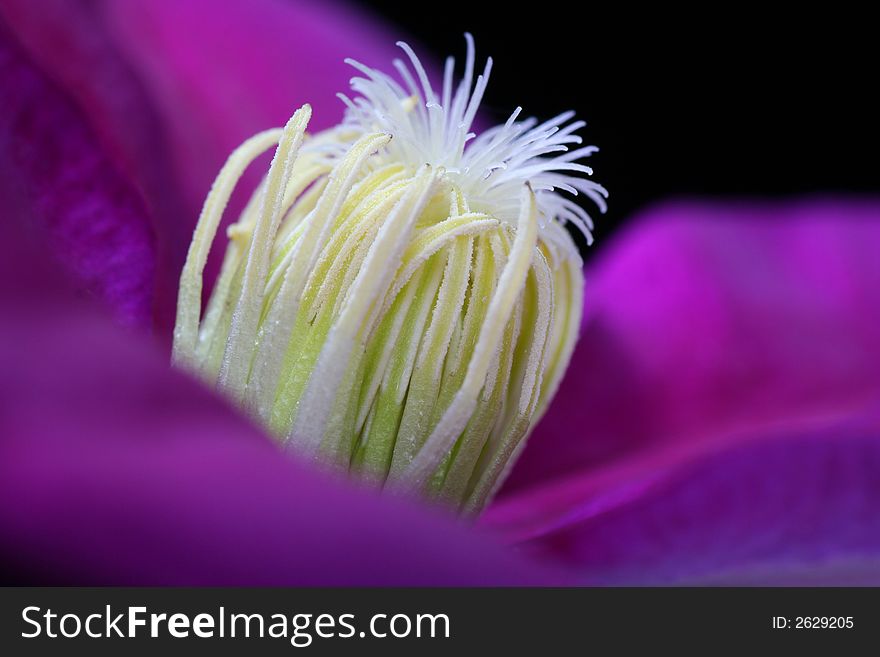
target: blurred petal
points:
(95, 222)
(768, 509)
(133, 475)
(705, 319)
(220, 73)
(67, 40)
(173, 87)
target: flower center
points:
(396, 300)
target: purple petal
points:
(50, 161)
(67, 39)
(778, 508)
(706, 319)
(171, 88)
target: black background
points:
(746, 101)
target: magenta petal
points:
(709, 318)
(769, 509)
(50, 161)
(116, 470)
(220, 72)
(171, 88)
(68, 41)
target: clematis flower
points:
(718, 422)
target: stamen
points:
(189, 301)
(381, 262)
(243, 332)
(283, 312)
(400, 298)
(462, 407)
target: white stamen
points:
(490, 168)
